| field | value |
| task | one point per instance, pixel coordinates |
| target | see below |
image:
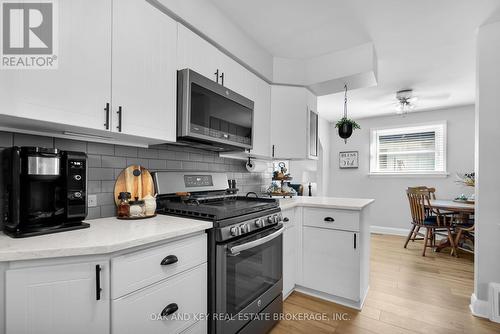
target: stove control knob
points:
(280, 217)
(259, 223)
(235, 231)
(270, 219)
(244, 228)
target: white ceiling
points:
(426, 45)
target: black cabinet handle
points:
(355, 237)
(217, 76)
(273, 152)
(98, 282)
(169, 309)
(106, 122)
(169, 260)
(329, 219)
(222, 78)
(119, 112)
(286, 219)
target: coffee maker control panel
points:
(77, 182)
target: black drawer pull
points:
(169, 309)
(329, 219)
(286, 219)
(98, 288)
(169, 260)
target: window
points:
(410, 150)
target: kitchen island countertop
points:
(356, 204)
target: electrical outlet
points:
(92, 201)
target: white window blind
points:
(409, 150)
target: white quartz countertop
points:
(326, 202)
(105, 235)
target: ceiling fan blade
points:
(443, 96)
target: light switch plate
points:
(92, 201)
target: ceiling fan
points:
(406, 100)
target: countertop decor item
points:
(349, 159)
(137, 182)
(346, 125)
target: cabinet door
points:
(331, 262)
(289, 117)
(195, 53)
(236, 77)
(77, 91)
(144, 70)
(312, 128)
(262, 118)
(57, 299)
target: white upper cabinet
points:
(290, 110)
(262, 118)
(144, 70)
(196, 53)
(77, 91)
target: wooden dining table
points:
(461, 208)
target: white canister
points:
(150, 204)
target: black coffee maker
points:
(44, 190)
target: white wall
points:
(487, 264)
(390, 209)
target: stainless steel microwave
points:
(211, 116)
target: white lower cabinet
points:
(170, 306)
(331, 262)
(58, 299)
(289, 252)
(326, 254)
(75, 296)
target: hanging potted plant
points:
(346, 125)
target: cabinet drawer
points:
(139, 269)
(331, 218)
(140, 312)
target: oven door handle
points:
(239, 248)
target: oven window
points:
(251, 273)
(216, 116)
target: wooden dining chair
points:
(425, 216)
(415, 229)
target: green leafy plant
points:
(345, 120)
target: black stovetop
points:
(215, 209)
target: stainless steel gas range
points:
(244, 247)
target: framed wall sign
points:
(348, 159)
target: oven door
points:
(249, 276)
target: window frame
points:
(407, 128)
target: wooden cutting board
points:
(136, 180)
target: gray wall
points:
(390, 210)
(106, 161)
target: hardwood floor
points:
(408, 294)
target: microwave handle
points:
(240, 248)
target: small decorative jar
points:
(137, 208)
(124, 205)
(150, 203)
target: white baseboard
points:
(478, 307)
(389, 230)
